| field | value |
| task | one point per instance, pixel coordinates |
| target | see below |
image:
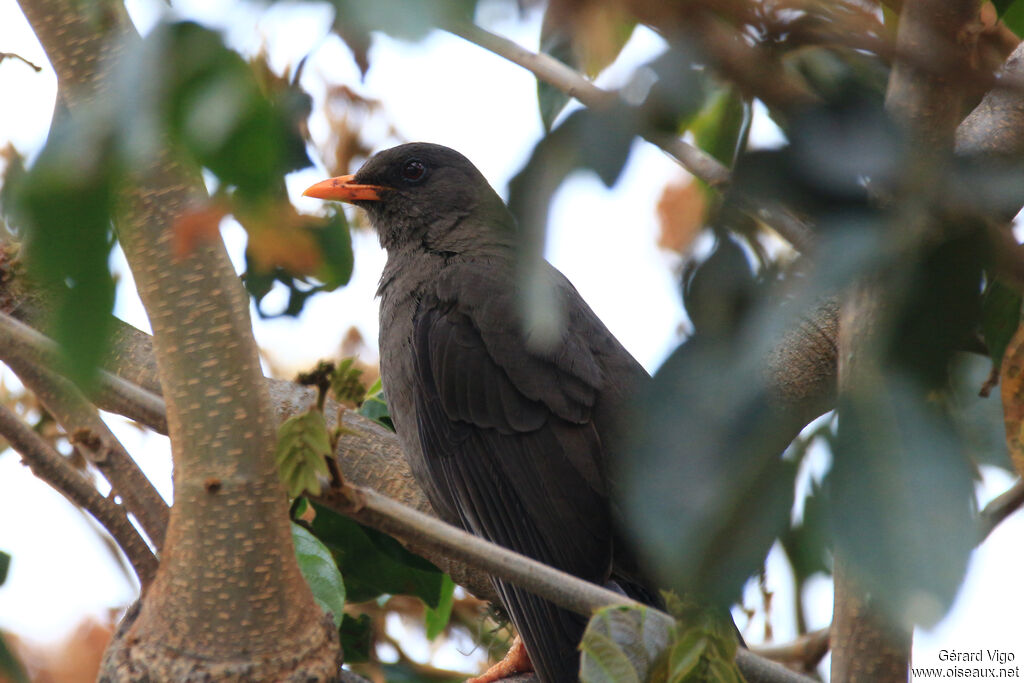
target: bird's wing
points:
(518, 472)
(563, 372)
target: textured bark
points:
(925, 95)
(228, 602)
(926, 90)
(865, 647)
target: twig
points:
(807, 650)
(699, 163)
(999, 508)
(51, 467)
(90, 434)
(371, 508)
(574, 84)
(136, 402)
(12, 55)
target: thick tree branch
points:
(54, 469)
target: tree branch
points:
(91, 435)
(373, 509)
(115, 394)
(807, 650)
(999, 508)
(54, 469)
(699, 163)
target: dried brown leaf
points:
(681, 211)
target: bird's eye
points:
(413, 170)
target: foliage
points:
(711, 447)
(303, 447)
(321, 573)
(636, 644)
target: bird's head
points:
(426, 194)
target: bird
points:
(510, 432)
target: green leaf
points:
(1000, 317)
(209, 100)
(705, 445)
(637, 644)
(720, 127)
(398, 18)
(64, 202)
(1003, 5)
(346, 384)
(808, 544)
(322, 575)
(375, 564)
(303, 446)
(10, 668)
(1013, 16)
(436, 619)
(375, 407)
(356, 638)
(899, 473)
(587, 39)
(621, 645)
(5, 565)
(335, 242)
(406, 672)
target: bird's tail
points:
(551, 634)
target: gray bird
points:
(508, 434)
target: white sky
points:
(604, 241)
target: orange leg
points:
(516, 661)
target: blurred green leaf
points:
(10, 668)
(979, 420)
(373, 563)
(335, 242)
(65, 201)
(402, 672)
(1000, 317)
(303, 447)
(5, 565)
(1013, 16)
(356, 638)
(586, 38)
(830, 71)
(436, 619)
(322, 575)
(720, 128)
(355, 20)
(808, 543)
(375, 407)
(705, 447)
(208, 99)
(899, 474)
(346, 384)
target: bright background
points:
(448, 91)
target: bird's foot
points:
(516, 661)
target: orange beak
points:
(344, 190)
